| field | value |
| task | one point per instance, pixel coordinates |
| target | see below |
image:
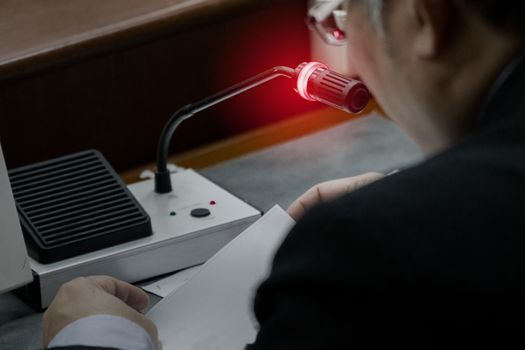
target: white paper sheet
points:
(213, 310)
(170, 284)
(15, 269)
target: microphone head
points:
(315, 82)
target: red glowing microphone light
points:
(315, 82)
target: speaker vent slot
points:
(73, 205)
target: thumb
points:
(129, 294)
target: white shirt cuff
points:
(104, 331)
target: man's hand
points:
(329, 190)
(87, 296)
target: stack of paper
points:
(213, 310)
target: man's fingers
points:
(354, 183)
(328, 191)
(311, 197)
(297, 209)
(131, 295)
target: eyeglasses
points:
(328, 19)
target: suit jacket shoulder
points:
(433, 253)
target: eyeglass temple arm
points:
(323, 9)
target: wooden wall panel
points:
(115, 93)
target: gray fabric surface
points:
(19, 324)
(276, 175)
(280, 174)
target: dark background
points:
(117, 97)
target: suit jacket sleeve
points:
(328, 279)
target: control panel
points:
(189, 224)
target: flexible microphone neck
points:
(162, 174)
(315, 82)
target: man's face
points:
(429, 64)
(379, 60)
(363, 45)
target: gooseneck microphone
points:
(315, 82)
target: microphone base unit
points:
(190, 224)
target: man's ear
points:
(434, 20)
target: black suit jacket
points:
(433, 256)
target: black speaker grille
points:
(73, 205)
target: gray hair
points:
(505, 15)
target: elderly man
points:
(431, 256)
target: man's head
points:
(430, 62)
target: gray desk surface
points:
(274, 175)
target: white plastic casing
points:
(178, 241)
